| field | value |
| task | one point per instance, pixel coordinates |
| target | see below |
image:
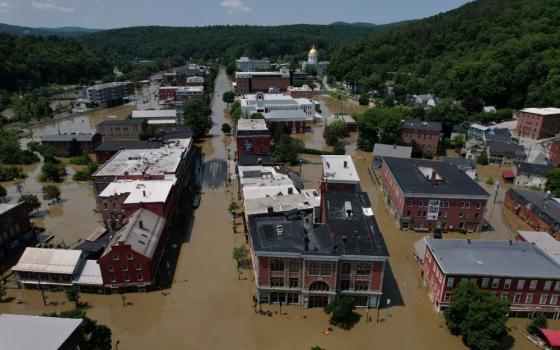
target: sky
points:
(105, 14)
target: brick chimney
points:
(141, 224)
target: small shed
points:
(508, 175)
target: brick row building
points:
(540, 210)
(538, 123)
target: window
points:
(361, 285)
(363, 269)
(533, 285)
(543, 299)
(112, 277)
(129, 256)
(138, 267)
(126, 277)
(325, 269)
(478, 205)
(507, 283)
(294, 265)
(124, 267)
(520, 284)
(410, 203)
(468, 205)
(447, 296)
(344, 284)
(116, 257)
(504, 296)
(529, 299)
(277, 265)
(110, 268)
(547, 285)
(516, 297)
(345, 268)
(421, 204)
(314, 269)
(450, 281)
(553, 300)
(462, 205)
(294, 282)
(139, 276)
(276, 281)
(495, 282)
(557, 286)
(419, 213)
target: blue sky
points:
(124, 13)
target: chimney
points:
(290, 190)
(144, 193)
(468, 241)
(434, 175)
(141, 224)
(345, 164)
(344, 239)
(269, 210)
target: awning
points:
(508, 174)
(552, 336)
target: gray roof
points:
(453, 183)
(24, 332)
(505, 148)
(382, 150)
(548, 209)
(359, 235)
(142, 232)
(421, 125)
(532, 169)
(289, 115)
(68, 137)
(498, 135)
(461, 163)
(117, 122)
(492, 258)
(116, 145)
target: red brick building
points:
(423, 136)
(514, 271)
(538, 209)
(250, 82)
(122, 198)
(133, 255)
(554, 153)
(300, 92)
(70, 145)
(425, 195)
(339, 174)
(121, 129)
(168, 93)
(252, 137)
(15, 227)
(538, 123)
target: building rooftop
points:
(492, 258)
(160, 161)
(506, 148)
(498, 135)
(108, 85)
(119, 122)
(339, 169)
(6, 207)
(251, 126)
(142, 232)
(254, 159)
(90, 274)
(542, 111)
(118, 145)
(421, 125)
(479, 127)
(251, 192)
(151, 191)
(544, 241)
(350, 230)
(344, 118)
(428, 178)
(532, 169)
(382, 150)
(239, 75)
(306, 200)
(258, 175)
(461, 163)
(546, 207)
(286, 116)
(67, 137)
(189, 89)
(155, 113)
(25, 332)
(299, 88)
(48, 260)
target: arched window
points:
(319, 286)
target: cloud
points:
(233, 6)
(5, 7)
(50, 5)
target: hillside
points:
(62, 31)
(226, 42)
(500, 52)
(32, 61)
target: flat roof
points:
(90, 275)
(286, 116)
(284, 203)
(339, 168)
(383, 150)
(544, 241)
(251, 125)
(155, 113)
(25, 332)
(150, 191)
(492, 258)
(160, 161)
(161, 121)
(414, 178)
(542, 111)
(117, 145)
(421, 125)
(48, 260)
(67, 137)
(258, 175)
(250, 192)
(261, 74)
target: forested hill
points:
(226, 42)
(31, 61)
(500, 52)
(61, 31)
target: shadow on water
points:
(214, 173)
(391, 289)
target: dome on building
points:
(313, 52)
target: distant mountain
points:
(355, 24)
(41, 31)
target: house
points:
(540, 210)
(132, 259)
(505, 153)
(253, 137)
(195, 81)
(346, 120)
(423, 136)
(424, 101)
(473, 149)
(47, 267)
(538, 123)
(497, 135)
(517, 272)
(298, 262)
(466, 165)
(381, 150)
(186, 94)
(530, 175)
(74, 144)
(251, 82)
(107, 149)
(120, 129)
(28, 332)
(426, 195)
(16, 229)
(339, 174)
(477, 131)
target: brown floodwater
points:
(208, 307)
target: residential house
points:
(505, 153)
(530, 175)
(423, 136)
(540, 210)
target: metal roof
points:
(492, 258)
(90, 275)
(339, 168)
(382, 150)
(287, 115)
(68, 137)
(532, 169)
(544, 241)
(48, 260)
(548, 209)
(542, 111)
(24, 332)
(505, 148)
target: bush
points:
(81, 160)
(51, 192)
(490, 181)
(52, 172)
(339, 149)
(31, 202)
(483, 159)
(226, 128)
(538, 322)
(287, 150)
(363, 100)
(342, 313)
(428, 155)
(85, 175)
(334, 132)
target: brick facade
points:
(554, 153)
(537, 126)
(254, 144)
(525, 213)
(15, 227)
(421, 140)
(261, 83)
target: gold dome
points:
(313, 51)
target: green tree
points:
(51, 193)
(342, 313)
(458, 142)
(286, 150)
(228, 97)
(197, 117)
(94, 336)
(257, 115)
(52, 172)
(379, 125)
(226, 128)
(553, 182)
(538, 322)
(363, 100)
(86, 173)
(388, 101)
(478, 316)
(233, 206)
(338, 148)
(311, 70)
(333, 132)
(3, 193)
(31, 202)
(482, 159)
(3, 290)
(241, 256)
(73, 295)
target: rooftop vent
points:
(345, 164)
(349, 213)
(279, 230)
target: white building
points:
(246, 64)
(265, 103)
(340, 169)
(156, 116)
(313, 61)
